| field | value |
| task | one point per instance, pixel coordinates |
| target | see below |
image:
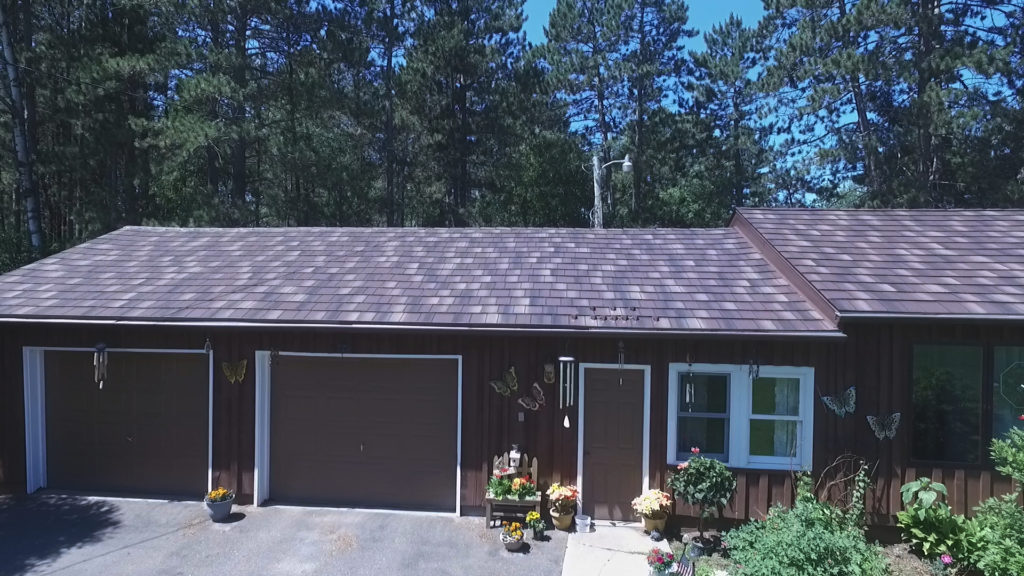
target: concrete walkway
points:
(610, 549)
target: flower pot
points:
(655, 521)
(219, 511)
(562, 521)
(511, 544)
(538, 533)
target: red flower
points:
(694, 450)
(1021, 417)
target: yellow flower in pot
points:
(563, 504)
(652, 506)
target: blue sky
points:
(703, 15)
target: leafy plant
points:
(996, 534)
(927, 522)
(534, 521)
(811, 539)
(221, 494)
(651, 502)
(660, 561)
(499, 486)
(705, 483)
(997, 541)
(523, 488)
(562, 498)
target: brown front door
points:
(144, 433)
(613, 428)
(364, 432)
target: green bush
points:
(705, 483)
(996, 540)
(927, 522)
(811, 539)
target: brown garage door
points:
(364, 432)
(145, 433)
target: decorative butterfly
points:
(508, 383)
(842, 404)
(534, 403)
(235, 372)
(885, 426)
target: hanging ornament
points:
(99, 364)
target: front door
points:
(613, 442)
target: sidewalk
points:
(611, 549)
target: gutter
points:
(818, 334)
(913, 316)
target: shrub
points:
(811, 539)
(927, 522)
(704, 483)
(996, 535)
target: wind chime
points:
(99, 364)
(622, 360)
(566, 378)
(688, 380)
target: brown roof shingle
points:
(671, 280)
(904, 262)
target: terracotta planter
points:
(219, 511)
(562, 521)
(655, 521)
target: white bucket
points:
(582, 523)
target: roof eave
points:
(867, 316)
(506, 329)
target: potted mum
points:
(563, 505)
(705, 483)
(522, 488)
(536, 524)
(512, 535)
(651, 506)
(218, 503)
(660, 561)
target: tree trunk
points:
(23, 143)
(389, 116)
(240, 78)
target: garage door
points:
(144, 433)
(364, 432)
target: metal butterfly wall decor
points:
(885, 426)
(234, 371)
(536, 402)
(843, 404)
(508, 384)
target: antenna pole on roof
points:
(596, 215)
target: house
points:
(385, 367)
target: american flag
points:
(684, 567)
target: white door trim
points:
(34, 367)
(261, 472)
(647, 422)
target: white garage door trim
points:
(261, 471)
(33, 359)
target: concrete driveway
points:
(68, 535)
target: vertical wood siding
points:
(874, 357)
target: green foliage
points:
(1008, 454)
(811, 539)
(928, 523)
(705, 483)
(996, 539)
(996, 544)
(499, 486)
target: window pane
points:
(708, 434)
(1008, 389)
(947, 403)
(708, 393)
(777, 396)
(773, 438)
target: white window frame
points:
(740, 413)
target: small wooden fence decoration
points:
(518, 507)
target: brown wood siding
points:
(875, 358)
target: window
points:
(1007, 388)
(947, 395)
(763, 422)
